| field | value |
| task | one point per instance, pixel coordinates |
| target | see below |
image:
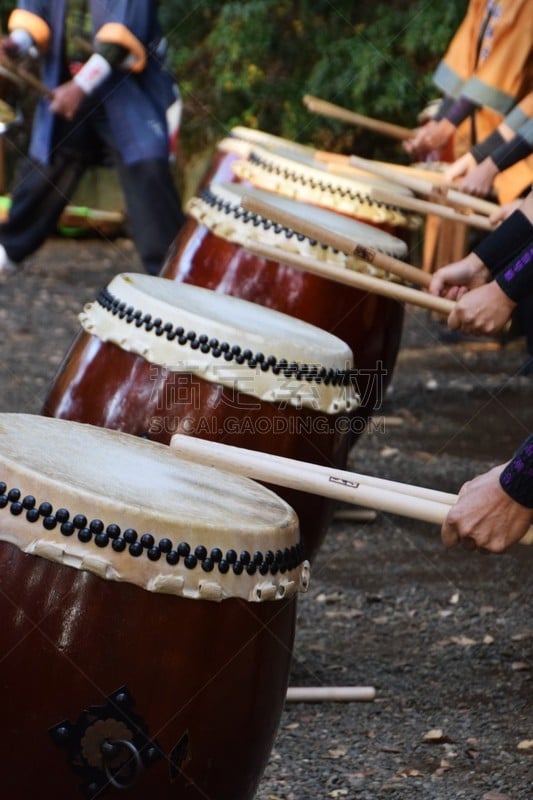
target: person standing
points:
(110, 110)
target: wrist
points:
(23, 44)
(93, 73)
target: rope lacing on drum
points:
(217, 349)
(304, 180)
(128, 540)
(257, 220)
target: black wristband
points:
(486, 148)
(517, 477)
(460, 110)
(511, 152)
(505, 243)
(516, 280)
(445, 104)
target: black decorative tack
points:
(336, 377)
(101, 535)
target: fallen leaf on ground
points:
(337, 752)
(495, 796)
(436, 736)
(525, 744)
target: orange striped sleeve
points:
(20, 19)
(116, 33)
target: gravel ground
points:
(446, 638)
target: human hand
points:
(67, 99)
(480, 180)
(485, 516)
(8, 47)
(461, 167)
(453, 280)
(482, 311)
(433, 136)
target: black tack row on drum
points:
(95, 530)
(212, 199)
(212, 346)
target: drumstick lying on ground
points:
(314, 479)
(327, 109)
(318, 694)
(339, 241)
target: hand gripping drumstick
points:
(367, 283)
(441, 193)
(414, 502)
(326, 109)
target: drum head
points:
(131, 510)
(296, 175)
(360, 232)
(224, 339)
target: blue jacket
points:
(135, 101)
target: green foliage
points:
(251, 62)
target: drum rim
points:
(213, 195)
(117, 318)
(52, 520)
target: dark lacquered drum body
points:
(209, 252)
(148, 610)
(158, 357)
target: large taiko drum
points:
(148, 611)
(237, 146)
(212, 254)
(298, 176)
(157, 357)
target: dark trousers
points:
(41, 193)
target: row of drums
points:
(149, 603)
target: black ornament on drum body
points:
(80, 619)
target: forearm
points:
(505, 243)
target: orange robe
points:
(492, 65)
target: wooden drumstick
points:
(327, 109)
(341, 161)
(349, 277)
(321, 694)
(315, 479)
(440, 193)
(438, 210)
(23, 74)
(299, 474)
(336, 240)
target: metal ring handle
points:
(135, 767)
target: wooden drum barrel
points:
(148, 611)
(157, 357)
(212, 253)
